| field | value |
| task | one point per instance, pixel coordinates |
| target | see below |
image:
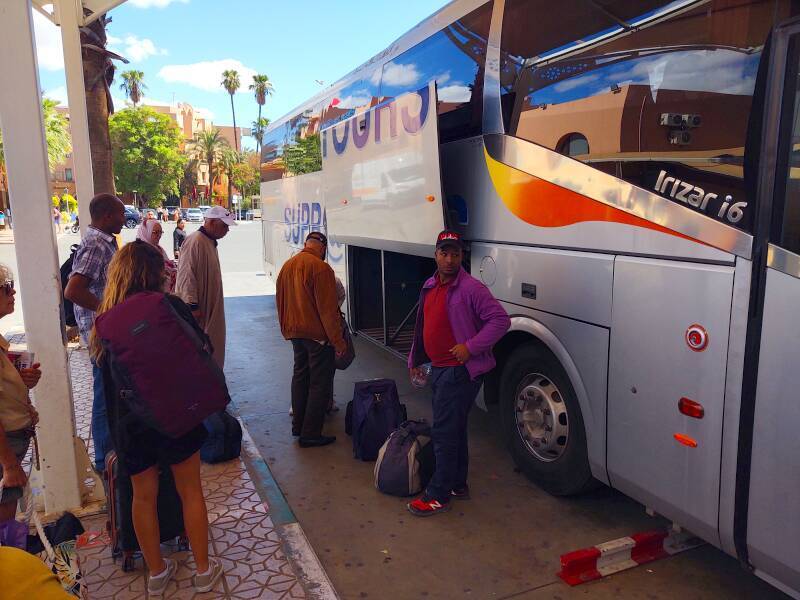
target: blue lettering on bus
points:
(303, 218)
(412, 124)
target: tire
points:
(130, 223)
(533, 383)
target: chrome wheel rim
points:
(541, 417)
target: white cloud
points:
(155, 3)
(48, 43)
(204, 113)
(207, 75)
(59, 94)
(395, 74)
(571, 84)
(454, 93)
(442, 78)
(354, 101)
(134, 48)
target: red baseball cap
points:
(449, 238)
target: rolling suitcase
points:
(120, 522)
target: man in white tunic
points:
(199, 281)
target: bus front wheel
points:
(542, 422)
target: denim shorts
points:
(19, 442)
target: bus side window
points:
(786, 224)
(302, 153)
(663, 104)
(454, 57)
(355, 98)
(272, 167)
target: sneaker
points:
(156, 586)
(207, 581)
(426, 506)
(460, 492)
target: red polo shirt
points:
(437, 335)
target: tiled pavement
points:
(242, 532)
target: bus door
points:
(773, 504)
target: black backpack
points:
(406, 461)
(224, 441)
(66, 271)
(372, 415)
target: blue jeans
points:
(100, 431)
(453, 396)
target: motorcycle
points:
(75, 226)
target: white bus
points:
(626, 174)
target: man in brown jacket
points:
(308, 313)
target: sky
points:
(182, 46)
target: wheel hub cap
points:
(541, 417)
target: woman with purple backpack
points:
(139, 267)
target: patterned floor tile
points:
(242, 534)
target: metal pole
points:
(69, 14)
(40, 285)
(383, 300)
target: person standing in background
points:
(199, 281)
(309, 317)
(178, 237)
(85, 289)
(458, 323)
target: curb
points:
(298, 550)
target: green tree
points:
(261, 87)
(304, 156)
(207, 147)
(230, 81)
(188, 182)
(147, 154)
(56, 133)
(259, 127)
(246, 176)
(227, 162)
(133, 85)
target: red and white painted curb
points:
(625, 553)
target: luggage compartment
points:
(384, 292)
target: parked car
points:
(184, 213)
(132, 216)
(194, 215)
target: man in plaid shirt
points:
(85, 289)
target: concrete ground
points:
(504, 543)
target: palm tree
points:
(259, 127)
(98, 75)
(230, 81)
(261, 87)
(227, 162)
(133, 85)
(208, 146)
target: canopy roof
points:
(92, 9)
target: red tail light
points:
(685, 440)
(690, 408)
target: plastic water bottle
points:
(420, 377)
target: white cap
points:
(221, 213)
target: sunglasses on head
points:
(7, 286)
(318, 238)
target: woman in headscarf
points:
(150, 231)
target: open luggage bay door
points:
(382, 184)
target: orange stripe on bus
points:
(546, 204)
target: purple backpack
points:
(147, 342)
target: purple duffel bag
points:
(147, 342)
